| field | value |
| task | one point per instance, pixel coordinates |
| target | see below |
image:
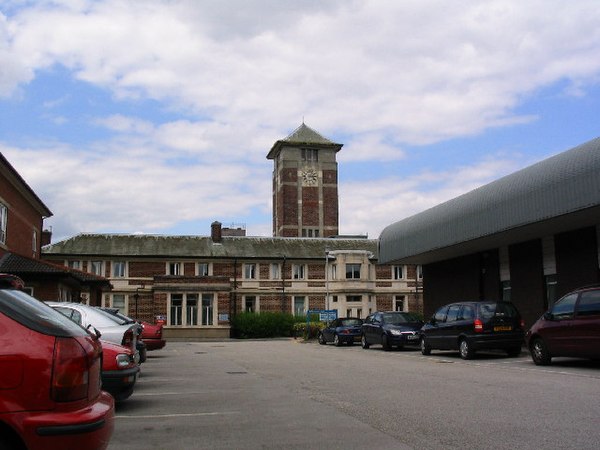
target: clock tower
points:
(305, 185)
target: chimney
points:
(46, 237)
(215, 232)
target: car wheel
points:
(465, 349)
(539, 353)
(425, 348)
(336, 340)
(363, 342)
(322, 340)
(514, 352)
(385, 343)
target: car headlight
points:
(123, 360)
(396, 332)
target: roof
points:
(16, 180)
(23, 266)
(230, 247)
(303, 135)
(558, 194)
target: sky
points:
(156, 116)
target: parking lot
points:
(290, 394)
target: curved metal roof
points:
(511, 209)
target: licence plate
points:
(503, 328)
(412, 337)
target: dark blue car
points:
(394, 328)
(341, 330)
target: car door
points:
(449, 329)
(558, 329)
(433, 328)
(374, 336)
(585, 329)
(329, 331)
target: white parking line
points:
(154, 416)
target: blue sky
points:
(156, 116)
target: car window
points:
(589, 303)
(467, 313)
(487, 310)
(351, 322)
(440, 314)
(564, 308)
(335, 323)
(453, 313)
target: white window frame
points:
(298, 272)
(275, 271)
(121, 273)
(296, 312)
(197, 320)
(92, 265)
(255, 303)
(3, 222)
(74, 264)
(124, 310)
(399, 272)
(208, 269)
(351, 270)
(250, 271)
(174, 268)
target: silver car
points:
(90, 318)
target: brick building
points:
(199, 282)
(21, 237)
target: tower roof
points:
(303, 135)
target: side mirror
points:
(432, 321)
(548, 315)
(94, 331)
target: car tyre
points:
(336, 340)
(322, 340)
(385, 343)
(425, 347)
(363, 342)
(465, 349)
(539, 352)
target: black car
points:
(394, 328)
(471, 326)
(341, 330)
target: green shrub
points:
(308, 331)
(263, 325)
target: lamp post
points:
(327, 279)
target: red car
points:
(152, 336)
(119, 370)
(50, 380)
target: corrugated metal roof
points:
(562, 184)
(242, 247)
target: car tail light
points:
(70, 370)
(522, 323)
(346, 331)
(128, 339)
(478, 325)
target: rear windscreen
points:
(36, 315)
(489, 310)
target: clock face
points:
(309, 176)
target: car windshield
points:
(398, 318)
(500, 309)
(351, 322)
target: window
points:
(118, 301)
(453, 313)
(310, 155)
(96, 268)
(399, 303)
(310, 232)
(275, 271)
(118, 269)
(174, 268)
(250, 271)
(333, 271)
(186, 309)
(207, 309)
(589, 303)
(467, 313)
(298, 272)
(299, 308)
(3, 221)
(74, 265)
(203, 269)
(191, 310)
(334, 298)
(353, 298)
(352, 271)
(420, 272)
(34, 242)
(250, 304)
(398, 272)
(564, 308)
(440, 314)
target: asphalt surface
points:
(286, 394)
